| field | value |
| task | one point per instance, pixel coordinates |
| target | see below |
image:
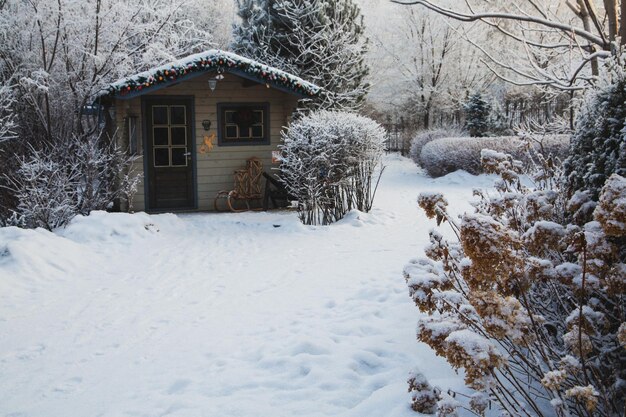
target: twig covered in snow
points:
(8, 119)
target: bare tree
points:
(422, 69)
(425, 67)
(561, 45)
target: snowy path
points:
(219, 315)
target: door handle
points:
(187, 154)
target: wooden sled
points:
(246, 190)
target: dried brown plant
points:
(530, 298)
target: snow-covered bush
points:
(443, 156)
(330, 161)
(54, 184)
(104, 173)
(529, 305)
(44, 189)
(599, 144)
(427, 136)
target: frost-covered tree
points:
(322, 41)
(552, 43)
(598, 146)
(331, 162)
(62, 52)
(477, 111)
(421, 66)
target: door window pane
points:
(179, 136)
(161, 157)
(159, 115)
(161, 136)
(178, 156)
(177, 115)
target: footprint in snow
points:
(68, 386)
(366, 363)
(308, 348)
(178, 386)
(31, 352)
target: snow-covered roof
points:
(211, 60)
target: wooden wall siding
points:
(214, 171)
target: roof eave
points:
(187, 77)
(204, 63)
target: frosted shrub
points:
(44, 189)
(104, 175)
(427, 136)
(54, 184)
(527, 303)
(331, 161)
(443, 156)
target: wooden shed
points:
(192, 123)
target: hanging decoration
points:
(213, 60)
(207, 145)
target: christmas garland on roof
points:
(213, 60)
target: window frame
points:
(222, 108)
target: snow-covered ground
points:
(203, 315)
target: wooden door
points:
(170, 147)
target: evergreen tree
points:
(598, 146)
(321, 41)
(477, 112)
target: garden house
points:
(193, 122)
